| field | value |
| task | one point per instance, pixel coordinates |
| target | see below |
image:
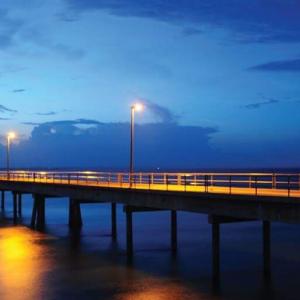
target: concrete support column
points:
(174, 231)
(40, 224)
(34, 212)
(267, 248)
(75, 219)
(38, 212)
(114, 220)
(215, 252)
(15, 213)
(3, 200)
(20, 204)
(129, 237)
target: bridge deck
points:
(252, 184)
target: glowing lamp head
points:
(11, 135)
(138, 106)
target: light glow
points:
(11, 135)
(138, 107)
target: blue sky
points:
(228, 68)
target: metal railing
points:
(282, 184)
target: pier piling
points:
(38, 212)
(75, 219)
(40, 224)
(15, 212)
(114, 220)
(19, 204)
(267, 249)
(2, 200)
(215, 252)
(174, 231)
(34, 212)
(129, 237)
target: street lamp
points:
(10, 137)
(134, 108)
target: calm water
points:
(59, 265)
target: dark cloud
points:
(164, 114)
(254, 21)
(14, 30)
(67, 17)
(292, 65)
(67, 51)
(31, 123)
(8, 29)
(5, 109)
(48, 113)
(18, 90)
(36, 36)
(10, 69)
(191, 31)
(267, 101)
(75, 122)
(64, 123)
(106, 145)
(4, 119)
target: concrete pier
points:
(2, 200)
(172, 193)
(15, 207)
(266, 237)
(114, 221)
(19, 204)
(174, 231)
(129, 210)
(38, 212)
(75, 219)
(215, 226)
(129, 236)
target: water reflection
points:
(88, 265)
(163, 290)
(22, 265)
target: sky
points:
(219, 80)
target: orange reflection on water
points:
(21, 264)
(159, 289)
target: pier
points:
(223, 197)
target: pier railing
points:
(282, 184)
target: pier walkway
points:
(259, 184)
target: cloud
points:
(38, 37)
(64, 123)
(18, 90)
(255, 21)
(10, 69)
(31, 123)
(5, 109)
(49, 113)
(257, 105)
(67, 51)
(164, 114)
(13, 31)
(4, 119)
(169, 146)
(8, 29)
(67, 16)
(106, 145)
(292, 65)
(189, 31)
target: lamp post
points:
(10, 137)
(134, 108)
